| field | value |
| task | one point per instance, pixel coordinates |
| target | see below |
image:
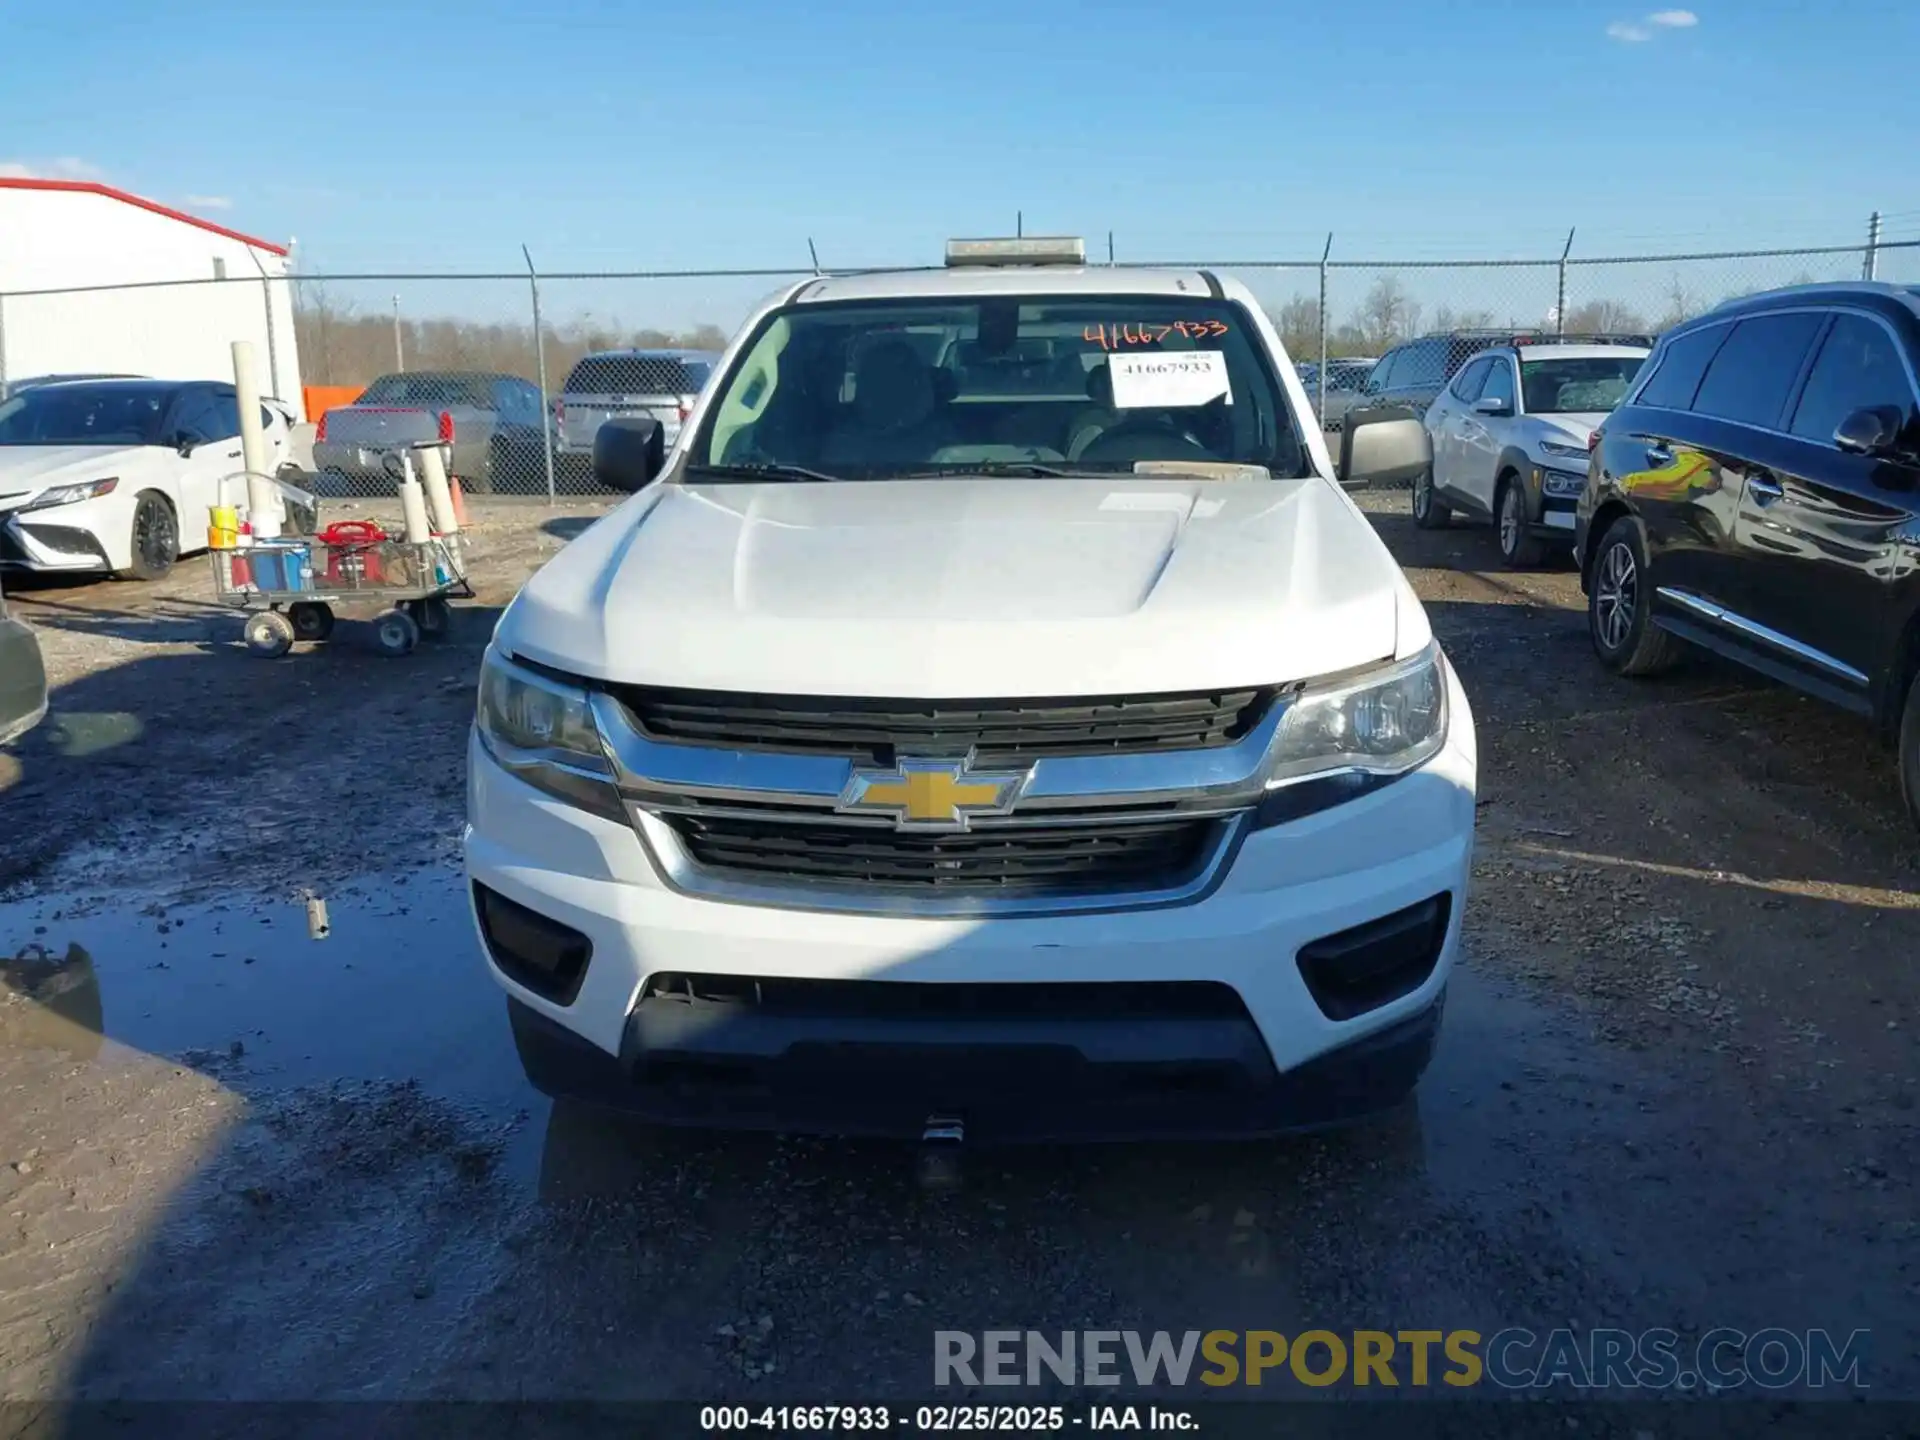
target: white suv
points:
(1510, 438)
(879, 768)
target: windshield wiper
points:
(996, 467)
(763, 472)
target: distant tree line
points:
(1389, 315)
(341, 344)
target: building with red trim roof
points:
(94, 280)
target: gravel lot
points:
(1676, 1087)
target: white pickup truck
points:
(991, 718)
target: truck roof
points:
(948, 282)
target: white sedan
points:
(118, 475)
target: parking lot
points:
(1676, 1083)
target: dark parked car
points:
(490, 429)
(23, 679)
(1410, 377)
(1758, 494)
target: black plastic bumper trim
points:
(1034, 1081)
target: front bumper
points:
(827, 1041)
(1061, 1081)
(51, 542)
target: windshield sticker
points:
(1120, 336)
(1169, 380)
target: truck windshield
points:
(1075, 384)
(85, 415)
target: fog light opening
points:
(544, 956)
(1361, 969)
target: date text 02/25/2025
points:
(942, 1419)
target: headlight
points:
(1384, 723)
(1562, 483)
(542, 730)
(69, 494)
(1560, 450)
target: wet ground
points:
(1675, 1089)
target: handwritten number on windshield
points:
(1125, 333)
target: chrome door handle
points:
(1764, 489)
(1659, 455)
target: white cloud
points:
(66, 167)
(1638, 32)
(209, 202)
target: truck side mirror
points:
(1386, 451)
(628, 452)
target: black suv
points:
(1758, 494)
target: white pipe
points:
(413, 505)
(433, 480)
(265, 513)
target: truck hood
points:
(970, 587)
(26, 470)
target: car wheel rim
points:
(1615, 595)
(153, 536)
(1422, 495)
(1509, 522)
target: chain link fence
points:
(490, 356)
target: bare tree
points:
(1388, 314)
(315, 315)
(1606, 317)
(1447, 318)
(1680, 304)
(1298, 322)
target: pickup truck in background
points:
(489, 427)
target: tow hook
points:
(940, 1141)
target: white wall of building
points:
(57, 238)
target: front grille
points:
(1021, 860)
(880, 731)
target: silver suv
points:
(642, 384)
(1510, 437)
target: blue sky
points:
(725, 132)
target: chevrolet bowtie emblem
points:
(933, 794)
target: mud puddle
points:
(243, 992)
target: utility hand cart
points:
(291, 586)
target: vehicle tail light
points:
(686, 408)
(446, 427)
(320, 430)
